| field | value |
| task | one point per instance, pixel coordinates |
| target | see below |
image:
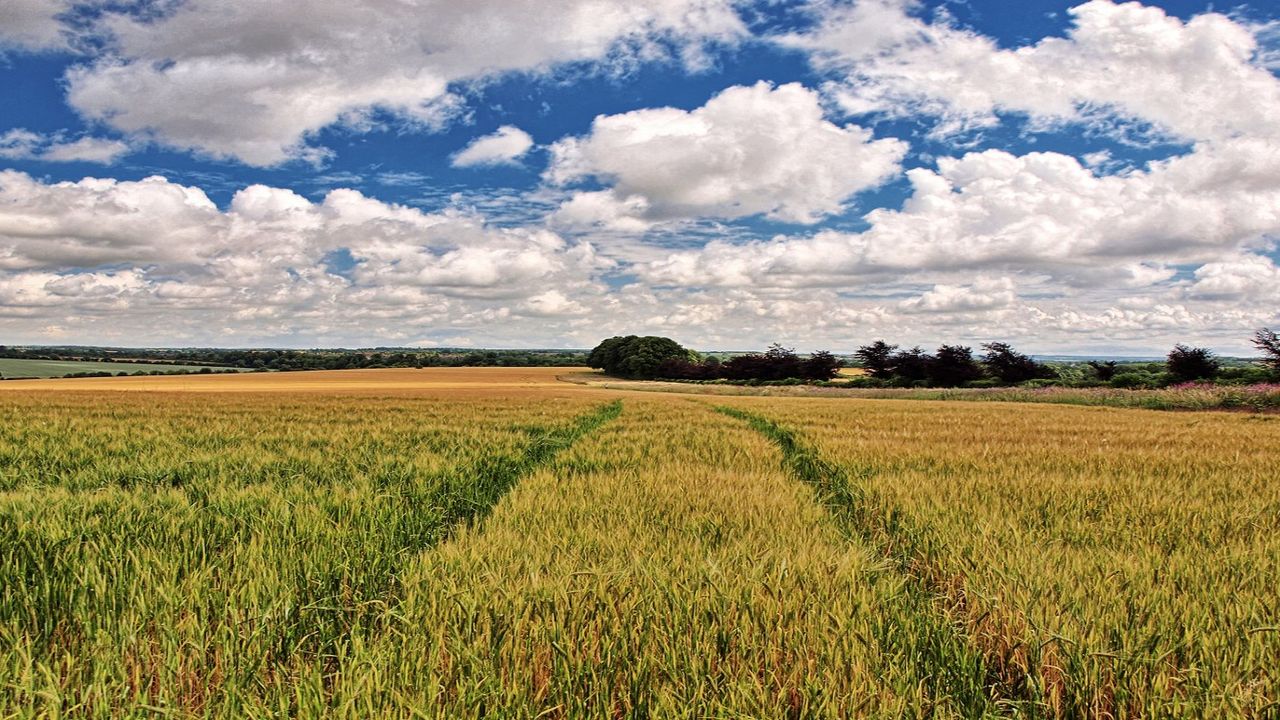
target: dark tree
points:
(783, 363)
(1012, 367)
(1104, 371)
(953, 366)
(636, 357)
(1269, 343)
(911, 366)
(684, 369)
(877, 359)
(1187, 363)
(778, 363)
(821, 365)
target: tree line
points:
(651, 357)
(287, 360)
(886, 365)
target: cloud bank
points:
(753, 213)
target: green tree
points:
(638, 357)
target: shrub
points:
(1135, 380)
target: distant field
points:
(360, 381)
(19, 368)
(494, 542)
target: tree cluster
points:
(950, 365)
(776, 364)
(650, 358)
(637, 357)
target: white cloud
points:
(1247, 276)
(603, 209)
(31, 24)
(94, 223)
(86, 149)
(503, 147)
(22, 144)
(553, 303)
(1198, 80)
(18, 144)
(1040, 213)
(259, 266)
(1046, 250)
(979, 297)
(253, 80)
(748, 151)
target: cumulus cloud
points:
(1038, 213)
(1106, 243)
(262, 262)
(253, 80)
(503, 147)
(1197, 80)
(750, 150)
(978, 297)
(1247, 276)
(1081, 254)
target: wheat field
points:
(494, 543)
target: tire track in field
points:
(467, 495)
(669, 566)
(1010, 680)
(459, 497)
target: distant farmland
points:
(17, 368)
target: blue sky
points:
(1097, 179)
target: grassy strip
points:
(1259, 398)
(1192, 396)
(1009, 682)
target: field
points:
(497, 543)
(20, 368)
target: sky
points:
(1074, 178)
